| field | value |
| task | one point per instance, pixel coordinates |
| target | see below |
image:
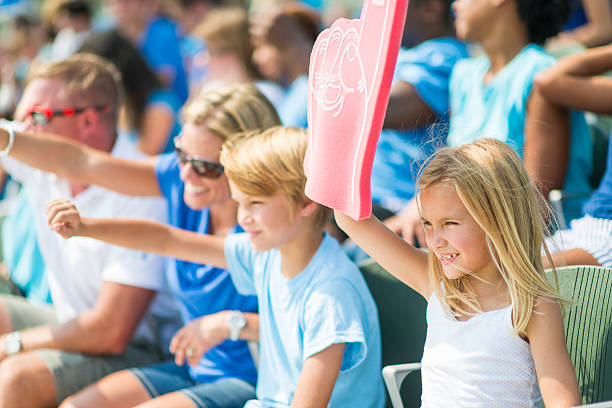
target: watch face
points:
(12, 344)
(236, 320)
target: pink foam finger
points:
(351, 68)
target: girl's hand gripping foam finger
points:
(351, 68)
(63, 217)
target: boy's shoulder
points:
(334, 273)
(331, 257)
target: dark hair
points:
(189, 3)
(291, 20)
(447, 15)
(76, 8)
(543, 18)
(138, 79)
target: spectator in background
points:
(188, 14)
(492, 96)
(229, 55)
(575, 82)
(24, 273)
(24, 41)
(149, 113)
(590, 25)
(100, 321)
(70, 21)
(156, 37)
(283, 40)
(416, 122)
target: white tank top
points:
(476, 363)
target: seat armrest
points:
(605, 404)
(394, 376)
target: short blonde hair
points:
(231, 109)
(492, 183)
(263, 163)
(88, 79)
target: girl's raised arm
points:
(554, 368)
(141, 235)
(80, 163)
(398, 257)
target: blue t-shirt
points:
(160, 47)
(22, 255)
(498, 109)
(169, 101)
(399, 154)
(326, 304)
(202, 289)
(600, 203)
(293, 111)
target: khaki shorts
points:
(74, 371)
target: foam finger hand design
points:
(351, 68)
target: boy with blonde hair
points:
(319, 333)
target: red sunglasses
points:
(42, 116)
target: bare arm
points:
(142, 235)
(206, 332)
(572, 82)
(576, 256)
(399, 258)
(406, 109)
(156, 127)
(77, 162)
(318, 377)
(105, 329)
(556, 376)
(547, 142)
(598, 29)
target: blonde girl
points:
(495, 331)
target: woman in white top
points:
(495, 331)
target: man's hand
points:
(351, 68)
(198, 336)
(63, 218)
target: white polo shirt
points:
(76, 267)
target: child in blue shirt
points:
(318, 327)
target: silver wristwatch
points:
(12, 343)
(236, 322)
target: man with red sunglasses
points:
(104, 317)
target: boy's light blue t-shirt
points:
(326, 304)
(498, 110)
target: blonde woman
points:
(495, 331)
(221, 371)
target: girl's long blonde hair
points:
(492, 183)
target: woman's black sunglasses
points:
(201, 167)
